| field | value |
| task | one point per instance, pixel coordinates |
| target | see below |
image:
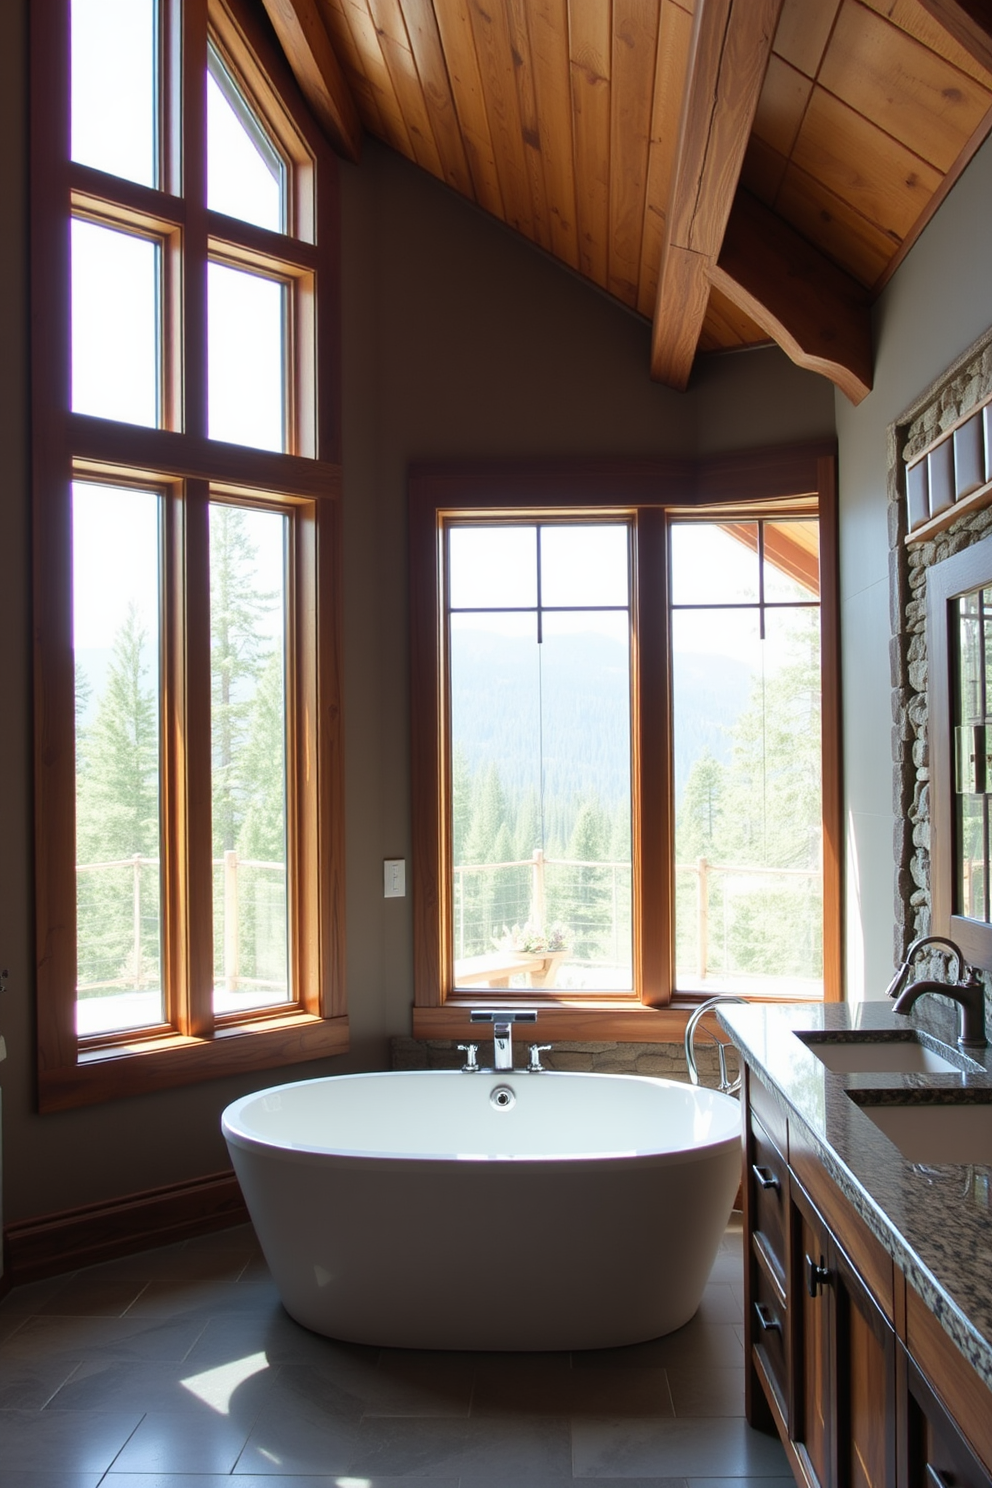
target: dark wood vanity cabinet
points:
(841, 1354)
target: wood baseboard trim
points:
(52, 1243)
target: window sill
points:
(162, 1063)
(586, 1022)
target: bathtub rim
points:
(380, 1161)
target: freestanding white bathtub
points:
(443, 1210)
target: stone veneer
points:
(963, 386)
(667, 1060)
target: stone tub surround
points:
(666, 1061)
(935, 1222)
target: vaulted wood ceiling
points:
(732, 170)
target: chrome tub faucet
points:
(502, 1021)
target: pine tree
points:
(117, 815)
(239, 651)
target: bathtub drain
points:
(502, 1097)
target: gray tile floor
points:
(178, 1368)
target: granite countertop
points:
(934, 1220)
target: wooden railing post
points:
(538, 899)
(136, 917)
(231, 968)
(702, 916)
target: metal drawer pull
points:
(937, 1478)
(817, 1275)
(765, 1176)
(769, 1322)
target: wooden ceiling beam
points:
(731, 44)
(303, 37)
(818, 314)
(969, 22)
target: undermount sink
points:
(908, 1053)
(934, 1131)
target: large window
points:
(188, 792)
(627, 794)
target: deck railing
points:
(230, 973)
(532, 901)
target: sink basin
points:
(910, 1053)
(936, 1132)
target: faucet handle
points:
(471, 1065)
(536, 1050)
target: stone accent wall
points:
(964, 385)
(667, 1060)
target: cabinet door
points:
(814, 1404)
(865, 1347)
(935, 1454)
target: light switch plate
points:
(394, 878)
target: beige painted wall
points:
(937, 304)
(459, 339)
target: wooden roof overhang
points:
(736, 171)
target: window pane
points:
(748, 808)
(247, 377)
(492, 567)
(248, 608)
(115, 536)
(540, 740)
(115, 87)
(792, 561)
(584, 565)
(586, 758)
(115, 324)
(246, 177)
(714, 563)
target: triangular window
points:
(246, 174)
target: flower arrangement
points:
(534, 940)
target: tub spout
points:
(503, 1022)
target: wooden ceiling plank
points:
(548, 25)
(915, 96)
(969, 22)
(762, 171)
(362, 90)
(910, 16)
(865, 167)
(303, 37)
(458, 41)
(731, 45)
(674, 41)
(518, 33)
(357, 17)
(492, 49)
(835, 227)
(428, 54)
(635, 54)
(590, 63)
(782, 105)
(390, 26)
(803, 32)
(819, 315)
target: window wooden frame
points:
(648, 493)
(947, 582)
(179, 460)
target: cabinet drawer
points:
(937, 1455)
(769, 1112)
(767, 1331)
(962, 1392)
(768, 1183)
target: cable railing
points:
(135, 974)
(483, 917)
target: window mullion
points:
(189, 872)
(194, 268)
(654, 890)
